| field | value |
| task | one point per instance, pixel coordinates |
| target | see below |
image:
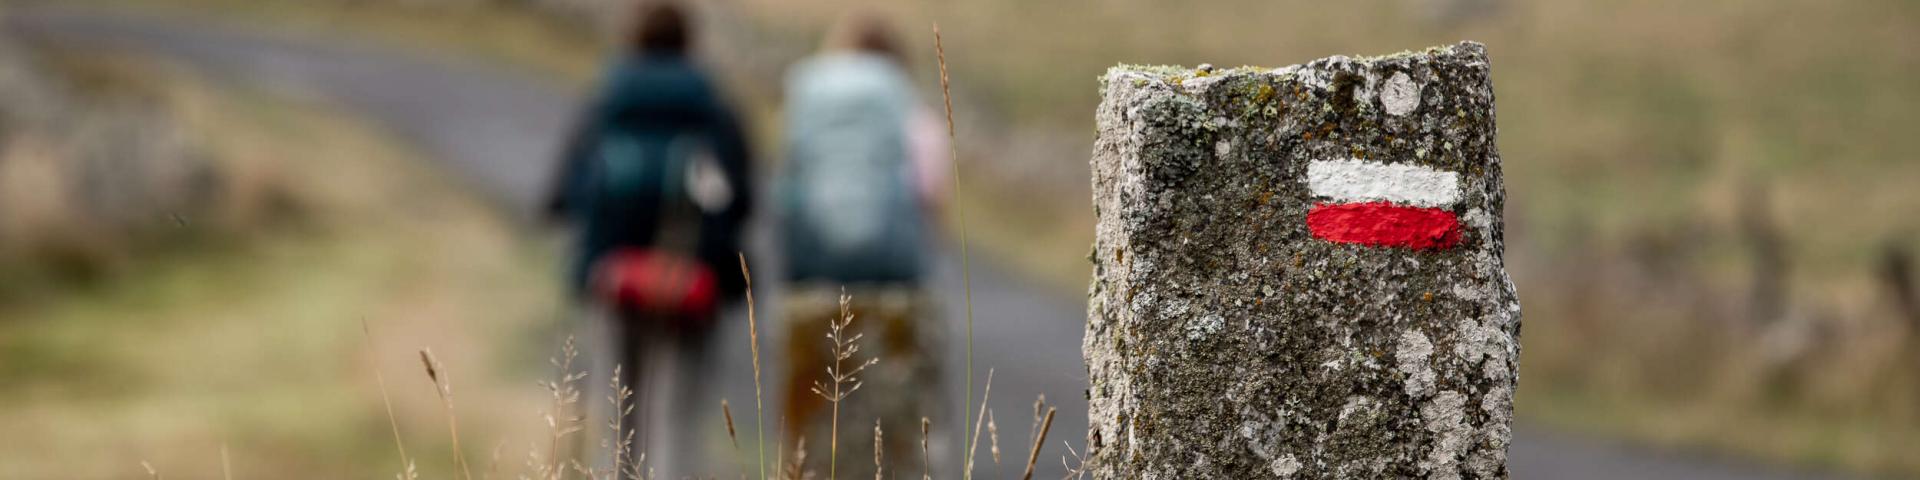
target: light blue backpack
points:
(850, 212)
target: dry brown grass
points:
(619, 440)
(966, 260)
(879, 452)
(926, 457)
(842, 380)
(560, 416)
(443, 386)
(407, 469)
(753, 335)
(973, 444)
(1039, 438)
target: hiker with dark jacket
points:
(655, 177)
(655, 87)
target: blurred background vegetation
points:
(182, 266)
(1712, 216)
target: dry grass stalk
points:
(780, 451)
(797, 469)
(621, 443)
(444, 386)
(753, 334)
(151, 473)
(226, 463)
(993, 438)
(1079, 467)
(878, 447)
(840, 375)
(493, 460)
(926, 457)
(1039, 410)
(974, 444)
(1041, 436)
(733, 437)
(727, 411)
(564, 395)
(960, 219)
(406, 463)
(1039, 415)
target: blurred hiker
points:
(865, 164)
(656, 177)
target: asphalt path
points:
(497, 128)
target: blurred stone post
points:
(1298, 272)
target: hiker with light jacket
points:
(865, 163)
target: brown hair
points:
(869, 32)
(660, 26)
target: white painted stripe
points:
(1350, 180)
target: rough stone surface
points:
(1224, 340)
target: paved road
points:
(497, 128)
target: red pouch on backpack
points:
(658, 284)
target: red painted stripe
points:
(1384, 224)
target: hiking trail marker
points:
(1298, 274)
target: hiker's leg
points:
(808, 314)
(689, 406)
(929, 334)
(637, 374)
(905, 345)
(597, 337)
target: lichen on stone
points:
(1224, 340)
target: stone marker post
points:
(1298, 272)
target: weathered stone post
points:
(1298, 272)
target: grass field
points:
(252, 342)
